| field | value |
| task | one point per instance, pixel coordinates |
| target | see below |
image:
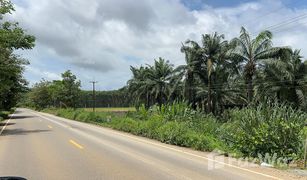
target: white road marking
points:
(6, 123)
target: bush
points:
(150, 127)
(172, 132)
(126, 124)
(266, 129)
(4, 114)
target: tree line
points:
(12, 37)
(217, 75)
(67, 93)
(220, 74)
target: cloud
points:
(43, 74)
(102, 38)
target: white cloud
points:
(43, 74)
(101, 38)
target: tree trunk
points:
(209, 94)
(190, 90)
(250, 88)
(147, 100)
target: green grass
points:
(111, 109)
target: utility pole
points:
(94, 95)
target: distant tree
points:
(40, 95)
(70, 92)
(151, 84)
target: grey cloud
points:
(98, 35)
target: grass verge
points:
(272, 133)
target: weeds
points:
(249, 132)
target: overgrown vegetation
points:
(248, 132)
(226, 87)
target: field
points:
(111, 109)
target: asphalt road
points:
(39, 146)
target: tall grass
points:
(274, 129)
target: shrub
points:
(126, 124)
(150, 127)
(4, 114)
(172, 133)
(265, 129)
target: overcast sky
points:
(100, 39)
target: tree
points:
(40, 95)
(137, 86)
(284, 80)
(188, 72)
(214, 51)
(151, 83)
(12, 37)
(159, 77)
(70, 92)
(252, 53)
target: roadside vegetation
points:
(243, 97)
(253, 132)
(12, 38)
(111, 109)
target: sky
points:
(100, 39)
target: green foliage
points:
(265, 129)
(63, 92)
(251, 131)
(12, 37)
(151, 84)
(4, 115)
(114, 98)
(157, 124)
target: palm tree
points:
(284, 80)
(159, 78)
(214, 49)
(151, 83)
(186, 74)
(137, 86)
(252, 52)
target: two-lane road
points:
(35, 145)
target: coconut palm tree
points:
(252, 52)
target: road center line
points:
(6, 123)
(50, 127)
(76, 144)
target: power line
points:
(271, 12)
(283, 23)
(286, 29)
(286, 22)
